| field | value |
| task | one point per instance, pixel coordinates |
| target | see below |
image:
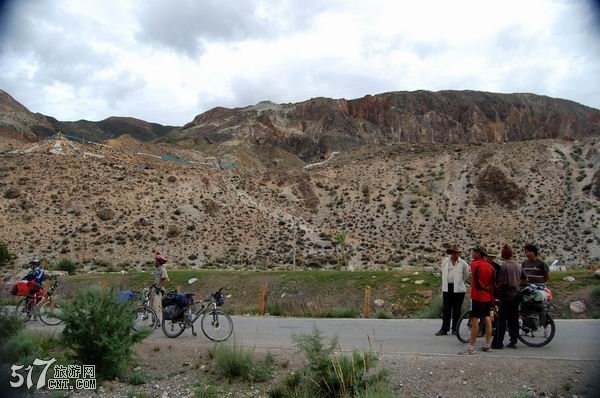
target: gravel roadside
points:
(176, 370)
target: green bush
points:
(433, 310)
(137, 378)
(66, 265)
(10, 325)
(5, 255)
(99, 330)
(206, 391)
(383, 314)
(330, 373)
(339, 312)
(24, 346)
(232, 361)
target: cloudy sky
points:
(166, 61)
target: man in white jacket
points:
(455, 271)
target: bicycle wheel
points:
(21, 312)
(216, 325)
(538, 337)
(172, 329)
(50, 313)
(463, 327)
(145, 318)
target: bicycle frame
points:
(32, 305)
(214, 323)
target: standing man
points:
(161, 278)
(535, 269)
(455, 271)
(482, 299)
(510, 277)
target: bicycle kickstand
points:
(193, 331)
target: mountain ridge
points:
(313, 128)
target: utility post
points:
(294, 243)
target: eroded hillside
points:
(376, 206)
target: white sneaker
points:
(468, 351)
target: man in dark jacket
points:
(510, 276)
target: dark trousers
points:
(452, 303)
(508, 317)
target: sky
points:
(166, 61)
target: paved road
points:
(574, 339)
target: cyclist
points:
(482, 299)
(35, 279)
(161, 278)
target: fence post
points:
(262, 300)
(367, 308)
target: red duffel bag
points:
(20, 288)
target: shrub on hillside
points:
(66, 265)
(5, 255)
(99, 331)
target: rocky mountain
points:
(313, 129)
(17, 120)
(322, 183)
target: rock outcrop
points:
(314, 128)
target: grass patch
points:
(339, 313)
(138, 378)
(314, 293)
(383, 314)
(330, 373)
(234, 361)
(206, 391)
(594, 303)
(432, 311)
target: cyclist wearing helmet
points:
(36, 274)
(35, 278)
(161, 278)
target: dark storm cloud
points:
(594, 6)
(56, 49)
(187, 26)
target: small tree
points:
(340, 241)
(5, 255)
(100, 331)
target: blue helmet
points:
(35, 262)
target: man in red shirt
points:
(482, 299)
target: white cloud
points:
(167, 61)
